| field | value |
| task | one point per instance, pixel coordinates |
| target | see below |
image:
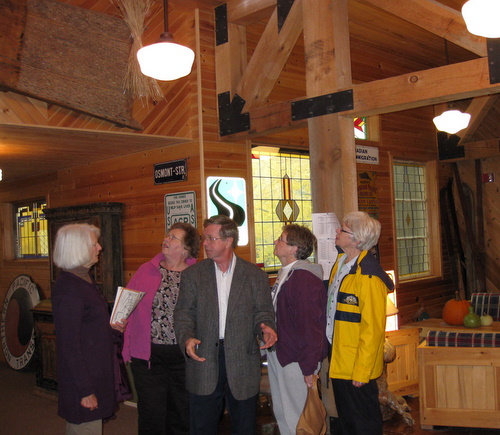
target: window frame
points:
(14, 206)
(433, 219)
(276, 225)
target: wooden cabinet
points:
(108, 273)
(459, 386)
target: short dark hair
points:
(191, 238)
(229, 228)
(303, 238)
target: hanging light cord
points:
(165, 15)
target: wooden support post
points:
(331, 137)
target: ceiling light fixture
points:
(482, 17)
(452, 121)
(165, 60)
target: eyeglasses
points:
(347, 232)
(279, 239)
(209, 239)
(172, 237)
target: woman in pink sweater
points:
(157, 363)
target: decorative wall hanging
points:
(227, 196)
(134, 14)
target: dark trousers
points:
(206, 410)
(162, 398)
(358, 408)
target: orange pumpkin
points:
(455, 310)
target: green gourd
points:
(472, 320)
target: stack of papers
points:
(125, 302)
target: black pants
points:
(162, 398)
(358, 408)
(206, 410)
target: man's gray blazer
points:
(196, 315)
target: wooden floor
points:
(23, 410)
(266, 424)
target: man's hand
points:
(268, 335)
(191, 346)
(89, 402)
(358, 384)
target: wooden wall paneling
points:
(491, 210)
(402, 373)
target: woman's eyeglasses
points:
(347, 232)
(172, 237)
(279, 239)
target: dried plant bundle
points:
(134, 13)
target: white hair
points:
(365, 229)
(73, 246)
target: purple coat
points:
(301, 321)
(84, 345)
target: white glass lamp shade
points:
(482, 17)
(452, 121)
(165, 60)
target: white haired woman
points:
(84, 340)
(356, 304)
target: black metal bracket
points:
(493, 46)
(284, 7)
(447, 146)
(231, 120)
(322, 105)
(221, 28)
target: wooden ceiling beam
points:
(245, 12)
(423, 88)
(478, 150)
(436, 18)
(269, 57)
(478, 109)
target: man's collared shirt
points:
(224, 280)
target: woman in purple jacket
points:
(299, 298)
(84, 339)
(157, 363)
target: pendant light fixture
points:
(165, 60)
(452, 121)
(482, 17)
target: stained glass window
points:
(282, 194)
(31, 230)
(411, 219)
(360, 130)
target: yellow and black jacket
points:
(359, 331)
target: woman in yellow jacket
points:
(357, 296)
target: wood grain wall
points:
(190, 110)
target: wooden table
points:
(439, 325)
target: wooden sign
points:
(65, 55)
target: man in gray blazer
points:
(224, 308)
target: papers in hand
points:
(125, 301)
